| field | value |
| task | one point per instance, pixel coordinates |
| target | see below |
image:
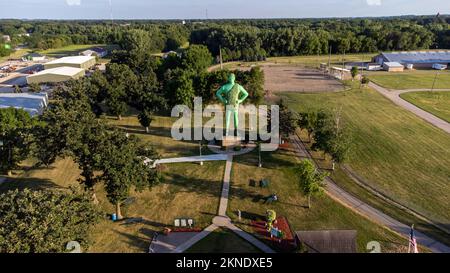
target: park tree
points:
(354, 72)
(332, 137)
(196, 58)
(288, 120)
(70, 128)
(34, 87)
(44, 221)
(145, 119)
(123, 167)
(178, 87)
(122, 82)
(15, 137)
(310, 179)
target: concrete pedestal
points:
(231, 141)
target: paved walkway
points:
(182, 242)
(214, 157)
(369, 212)
(394, 96)
(223, 205)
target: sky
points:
(215, 9)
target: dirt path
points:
(394, 96)
(347, 199)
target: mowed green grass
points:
(14, 55)
(398, 153)
(325, 213)
(437, 103)
(307, 61)
(222, 240)
(416, 79)
(187, 190)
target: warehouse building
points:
(416, 59)
(393, 67)
(33, 103)
(58, 74)
(83, 62)
(95, 51)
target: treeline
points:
(53, 34)
(247, 39)
(253, 43)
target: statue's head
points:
(231, 78)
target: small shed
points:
(328, 241)
(393, 67)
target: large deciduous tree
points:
(15, 137)
(123, 167)
(44, 221)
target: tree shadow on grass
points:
(205, 186)
(141, 241)
(21, 183)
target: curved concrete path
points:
(347, 199)
(394, 96)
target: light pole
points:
(259, 154)
(200, 150)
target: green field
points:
(325, 213)
(16, 54)
(222, 241)
(72, 50)
(416, 79)
(308, 61)
(398, 153)
(437, 103)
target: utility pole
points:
(343, 66)
(434, 82)
(221, 60)
(362, 71)
(111, 12)
(329, 63)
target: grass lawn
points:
(223, 241)
(71, 50)
(325, 213)
(16, 54)
(159, 136)
(416, 79)
(398, 153)
(187, 190)
(308, 61)
(437, 103)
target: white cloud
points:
(374, 2)
(73, 2)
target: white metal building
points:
(58, 74)
(84, 62)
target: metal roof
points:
(63, 70)
(393, 64)
(419, 57)
(328, 241)
(32, 103)
(72, 60)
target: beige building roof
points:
(74, 61)
(58, 74)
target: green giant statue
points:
(231, 95)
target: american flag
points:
(412, 248)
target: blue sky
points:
(187, 9)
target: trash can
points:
(114, 217)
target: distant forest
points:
(248, 40)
